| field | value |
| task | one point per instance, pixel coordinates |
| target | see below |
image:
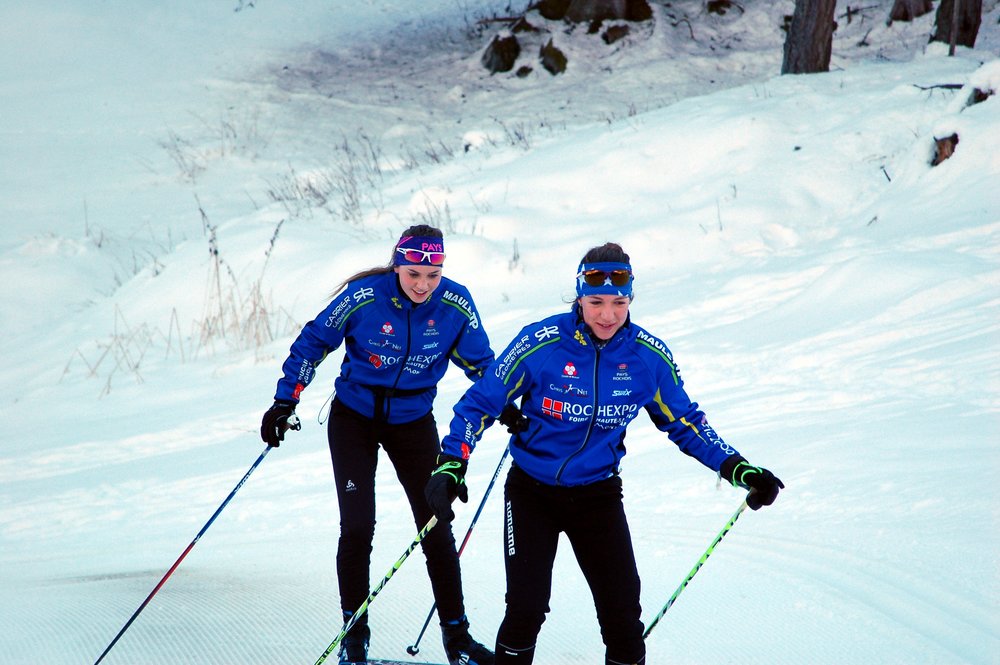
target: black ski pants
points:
(412, 449)
(593, 519)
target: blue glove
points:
(763, 484)
(446, 482)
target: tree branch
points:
(944, 86)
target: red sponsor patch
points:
(553, 407)
(569, 370)
(298, 390)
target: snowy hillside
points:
(185, 185)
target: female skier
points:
(582, 377)
(400, 325)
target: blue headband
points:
(605, 287)
(419, 250)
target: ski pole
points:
(697, 566)
(413, 649)
(181, 557)
(385, 580)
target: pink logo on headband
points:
(415, 250)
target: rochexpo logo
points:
(606, 413)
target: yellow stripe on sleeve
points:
(663, 407)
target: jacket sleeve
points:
(673, 412)
(504, 380)
(472, 351)
(318, 338)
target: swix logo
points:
(569, 369)
(544, 333)
(387, 329)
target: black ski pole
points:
(697, 566)
(385, 580)
(413, 649)
(183, 554)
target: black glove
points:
(763, 484)
(446, 482)
(280, 417)
(512, 417)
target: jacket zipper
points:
(406, 351)
(590, 426)
(406, 354)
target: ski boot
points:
(459, 646)
(354, 646)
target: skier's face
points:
(605, 314)
(418, 282)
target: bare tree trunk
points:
(810, 37)
(958, 20)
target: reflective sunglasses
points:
(600, 277)
(419, 256)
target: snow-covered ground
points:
(170, 171)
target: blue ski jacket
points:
(393, 348)
(579, 398)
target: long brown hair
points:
(415, 230)
(609, 252)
